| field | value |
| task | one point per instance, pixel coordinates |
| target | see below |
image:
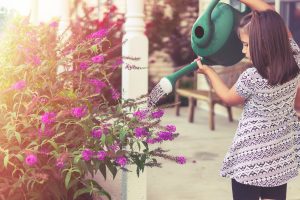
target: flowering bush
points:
(57, 126)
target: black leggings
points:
(249, 192)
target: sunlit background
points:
(20, 6)
(45, 10)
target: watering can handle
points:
(208, 28)
(247, 10)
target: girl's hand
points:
(203, 69)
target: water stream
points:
(164, 87)
(155, 95)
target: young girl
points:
(265, 153)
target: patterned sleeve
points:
(244, 84)
(296, 51)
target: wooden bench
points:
(228, 74)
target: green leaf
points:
(143, 160)
(138, 171)
(98, 189)
(80, 192)
(146, 146)
(109, 139)
(112, 169)
(139, 145)
(102, 169)
(123, 133)
(103, 139)
(20, 157)
(68, 178)
(77, 158)
(103, 192)
(94, 48)
(18, 137)
(90, 169)
(6, 160)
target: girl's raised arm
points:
(260, 5)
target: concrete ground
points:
(198, 179)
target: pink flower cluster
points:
(88, 154)
(98, 59)
(140, 114)
(180, 160)
(157, 114)
(83, 65)
(115, 94)
(98, 84)
(167, 135)
(78, 112)
(31, 159)
(143, 114)
(48, 118)
(97, 133)
(19, 85)
(99, 34)
(140, 132)
(122, 161)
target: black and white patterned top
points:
(266, 147)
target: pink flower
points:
(86, 154)
(171, 128)
(31, 159)
(99, 34)
(151, 141)
(115, 146)
(101, 155)
(98, 59)
(97, 133)
(139, 132)
(98, 84)
(48, 117)
(43, 100)
(115, 94)
(53, 24)
(60, 163)
(83, 66)
(164, 135)
(122, 161)
(157, 114)
(140, 114)
(19, 85)
(180, 160)
(35, 60)
(78, 112)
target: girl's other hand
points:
(202, 69)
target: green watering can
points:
(213, 38)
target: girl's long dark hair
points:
(270, 50)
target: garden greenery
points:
(61, 119)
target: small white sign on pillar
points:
(135, 84)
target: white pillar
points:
(277, 6)
(64, 15)
(34, 13)
(44, 11)
(135, 84)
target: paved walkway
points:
(199, 179)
